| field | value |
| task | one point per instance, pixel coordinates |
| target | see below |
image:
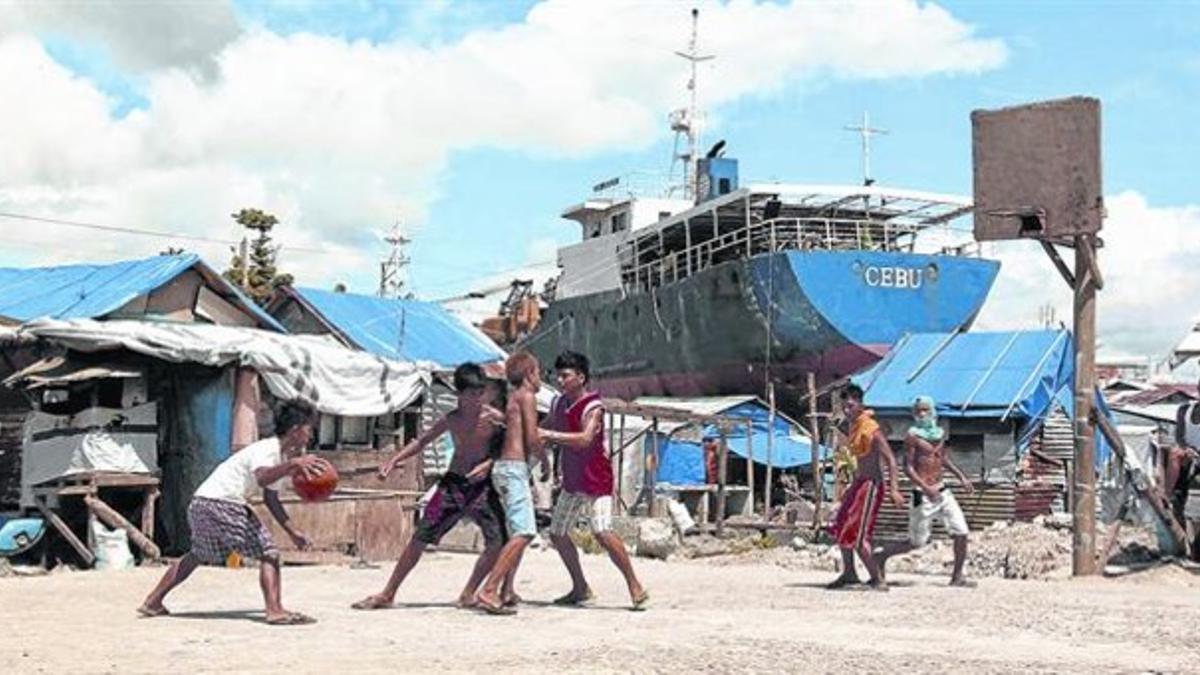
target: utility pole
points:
(391, 270)
(866, 131)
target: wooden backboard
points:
(1037, 170)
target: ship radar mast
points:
(866, 131)
(686, 122)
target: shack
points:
(1005, 399)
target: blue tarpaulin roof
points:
(406, 330)
(91, 291)
(681, 462)
(1016, 375)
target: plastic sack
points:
(112, 548)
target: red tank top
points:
(584, 470)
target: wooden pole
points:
(722, 469)
(84, 552)
(1083, 507)
(815, 438)
(113, 519)
(750, 467)
(770, 449)
(652, 470)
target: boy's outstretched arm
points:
(414, 446)
(889, 459)
(271, 499)
(581, 440)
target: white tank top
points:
(1191, 430)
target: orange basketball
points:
(315, 489)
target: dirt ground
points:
(725, 617)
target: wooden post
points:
(770, 439)
(113, 519)
(652, 470)
(1083, 507)
(620, 505)
(722, 468)
(750, 466)
(814, 436)
(84, 552)
(152, 495)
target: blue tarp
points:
(682, 462)
(92, 291)
(1021, 374)
(404, 330)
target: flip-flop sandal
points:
(146, 613)
(495, 610)
(842, 582)
(963, 583)
(639, 603)
(572, 600)
(513, 600)
(370, 603)
(292, 619)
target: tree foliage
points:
(257, 273)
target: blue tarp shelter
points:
(1005, 375)
(95, 291)
(403, 330)
(681, 460)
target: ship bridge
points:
(771, 217)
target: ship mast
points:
(866, 131)
(686, 121)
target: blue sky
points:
(345, 116)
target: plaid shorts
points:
(220, 528)
(572, 507)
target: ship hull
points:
(732, 327)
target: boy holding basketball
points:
(222, 523)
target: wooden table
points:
(88, 486)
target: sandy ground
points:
(704, 617)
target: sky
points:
(474, 124)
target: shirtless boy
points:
(926, 455)
(854, 524)
(510, 474)
(465, 490)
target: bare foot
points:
(373, 602)
(151, 611)
(466, 602)
(512, 600)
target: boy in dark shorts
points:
(465, 490)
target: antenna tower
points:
(866, 131)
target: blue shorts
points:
(511, 479)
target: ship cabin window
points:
(594, 231)
(723, 186)
(663, 215)
(619, 222)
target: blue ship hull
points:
(718, 332)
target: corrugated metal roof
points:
(405, 330)
(699, 405)
(980, 374)
(91, 291)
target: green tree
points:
(256, 272)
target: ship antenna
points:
(866, 131)
(686, 121)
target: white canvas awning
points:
(332, 378)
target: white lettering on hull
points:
(893, 277)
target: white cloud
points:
(1149, 300)
(339, 137)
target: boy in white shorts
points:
(577, 421)
(925, 456)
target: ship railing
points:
(647, 263)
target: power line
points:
(140, 232)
